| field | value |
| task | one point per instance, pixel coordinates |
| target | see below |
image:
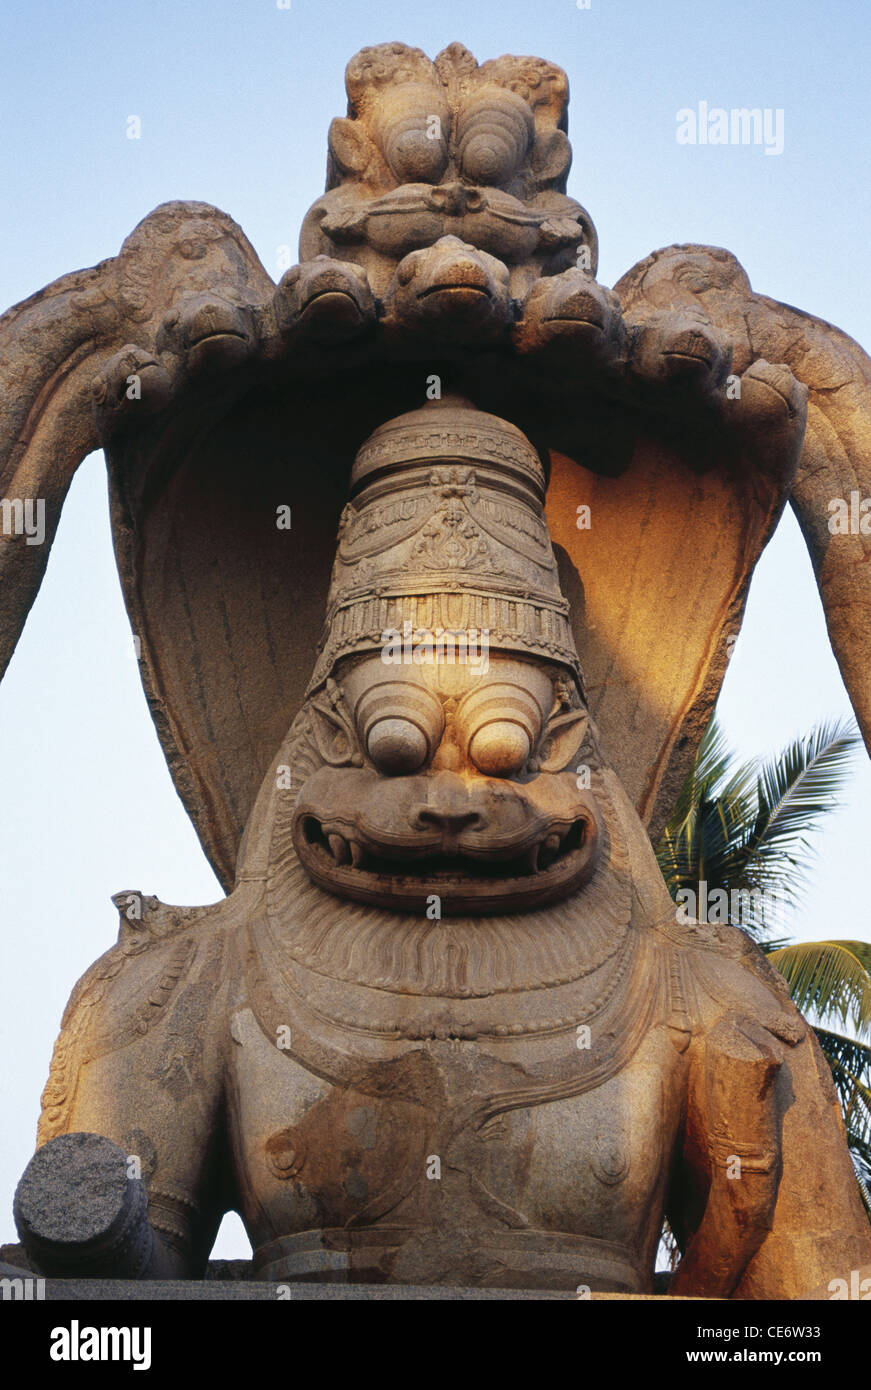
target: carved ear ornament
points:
(333, 727)
(562, 740)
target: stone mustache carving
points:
(445, 1029)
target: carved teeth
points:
(339, 846)
(549, 849)
(530, 859)
(346, 851)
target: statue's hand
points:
(742, 1124)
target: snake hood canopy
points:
(444, 256)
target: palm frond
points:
(745, 829)
(775, 944)
(708, 770)
(850, 1063)
(830, 978)
(798, 786)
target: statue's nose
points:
(448, 807)
(453, 822)
(448, 197)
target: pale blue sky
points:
(235, 97)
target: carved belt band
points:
(512, 1259)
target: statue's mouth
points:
(331, 296)
(460, 288)
(701, 358)
(467, 876)
(213, 335)
(594, 320)
(330, 310)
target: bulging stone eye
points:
(494, 134)
(397, 746)
(500, 749)
(399, 725)
(413, 156)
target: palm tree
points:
(745, 828)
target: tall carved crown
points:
(445, 533)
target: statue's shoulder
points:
(723, 970)
(159, 987)
(161, 951)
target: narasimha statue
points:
(445, 1028)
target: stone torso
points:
(521, 1139)
(341, 1183)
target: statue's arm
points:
(138, 1061)
(767, 1205)
(820, 1229)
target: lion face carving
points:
(450, 148)
(450, 779)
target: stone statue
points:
(445, 1029)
